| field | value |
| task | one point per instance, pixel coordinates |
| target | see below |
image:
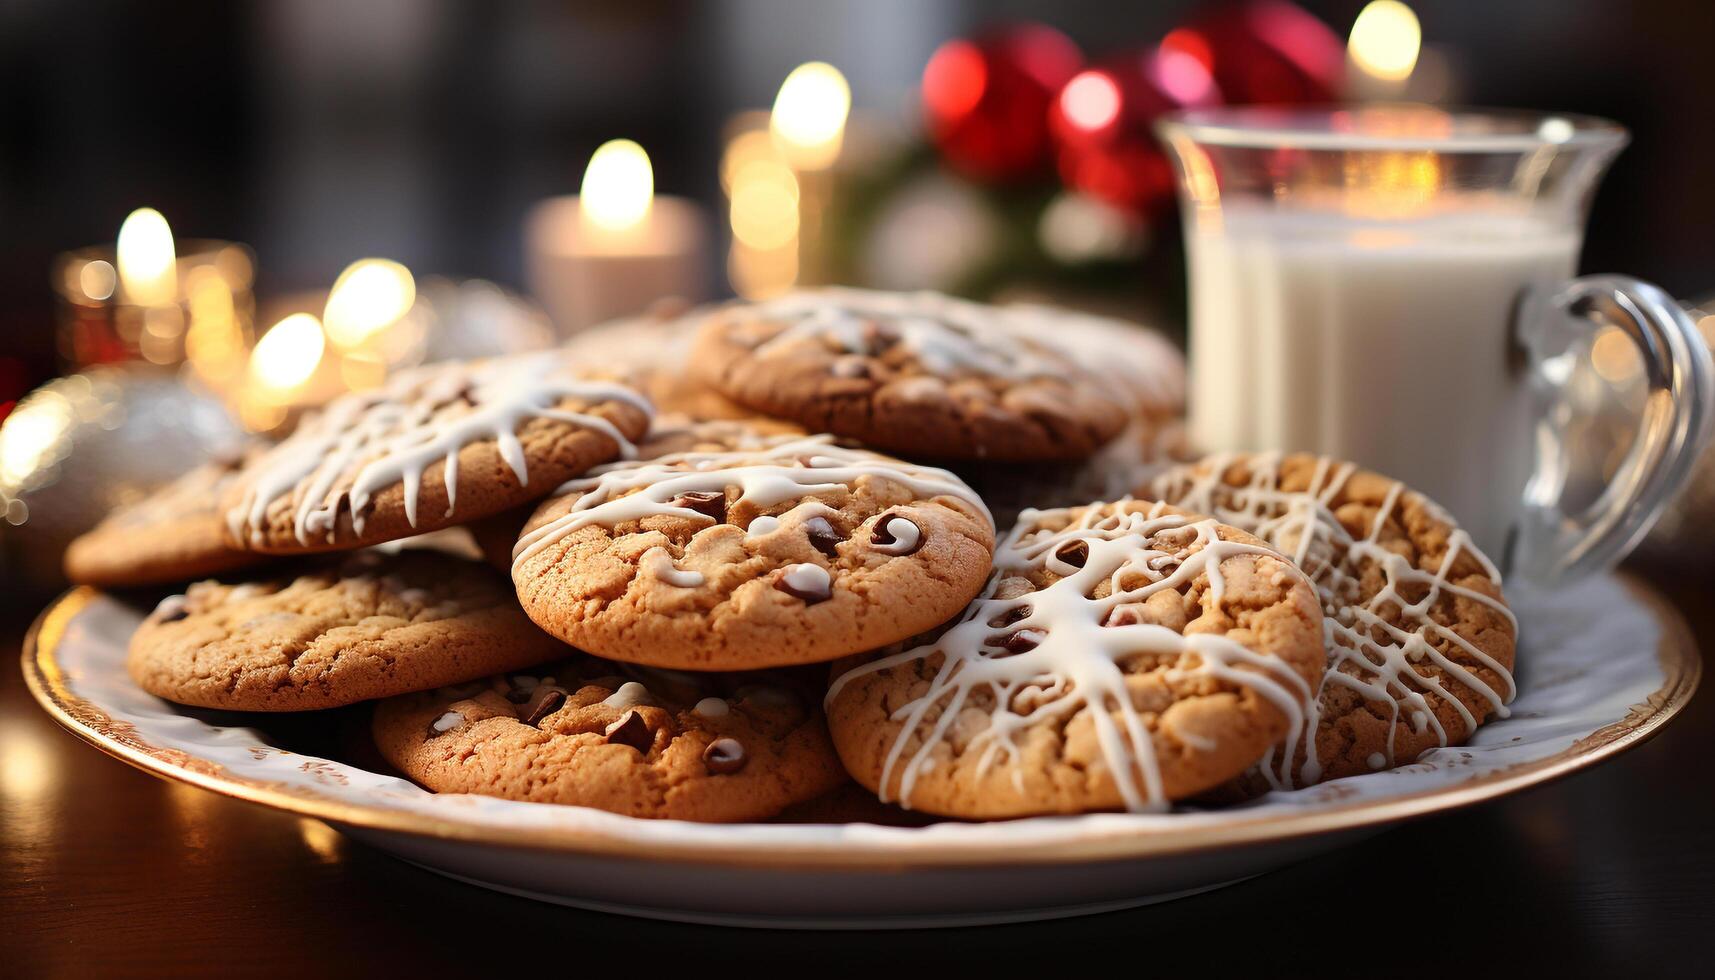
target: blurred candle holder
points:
(616, 247)
(149, 298)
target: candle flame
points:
(619, 185)
(289, 353)
(147, 263)
(1385, 40)
(367, 298)
(809, 117)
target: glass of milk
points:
(1394, 285)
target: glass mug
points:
(1394, 285)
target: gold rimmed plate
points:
(1602, 666)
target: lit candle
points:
(152, 298)
(777, 172)
(616, 247)
(288, 370)
(1382, 50)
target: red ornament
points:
(1266, 52)
(987, 100)
(1103, 121)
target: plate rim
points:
(1676, 652)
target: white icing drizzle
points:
(807, 578)
(905, 537)
(712, 708)
(1075, 665)
(1381, 656)
(629, 695)
(662, 567)
(762, 525)
(619, 492)
(1138, 367)
(946, 335)
(393, 433)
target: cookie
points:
(652, 353)
(921, 374)
(1125, 655)
(1144, 371)
(756, 557)
(371, 626)
(173, 535)
(436, 446)
(586, 732)
(1419, 639)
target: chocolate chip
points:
(807, 582)
(709, 503)
(519, 695)
(546, 704)
(1074, 553)
(1011, 616)
(823, 536)
(891, 536)
(1021, 641)
(631, 730)
(725, 756)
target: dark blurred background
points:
(318, 131)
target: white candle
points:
(616, 247)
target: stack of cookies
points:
(711, 567)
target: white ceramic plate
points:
(1602, 666)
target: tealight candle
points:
(616, 247)
(152, 298)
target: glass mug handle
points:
(1552, 545)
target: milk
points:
(1387, 345)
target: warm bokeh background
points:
(318, 131)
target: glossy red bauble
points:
(986, 100)
(1103, 122)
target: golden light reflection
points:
(27, 771)
(214, 342)
(288, 354)
(1615, 357)
(746, 148)
(765, 205)
(33, 435)
(147, 264)
(809, 118)
(367, 298)
(761, 274)
(321, 840)
(97, 279)
(618, 187)
(1385, 40)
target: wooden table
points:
(106, 870)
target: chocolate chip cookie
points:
(920, 374)
(434, 447)
(1125, 655)
(1419, 639)
(791, 552)
(370, 626)
(645, 743)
